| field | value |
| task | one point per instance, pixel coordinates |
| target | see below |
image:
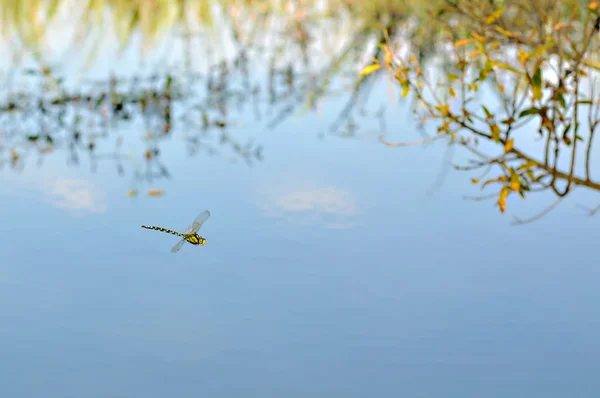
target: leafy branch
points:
(538, 68)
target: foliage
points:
(29, 20)
(538, 59)
(71, 119)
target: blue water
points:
(333, 268)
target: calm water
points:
(332, 269)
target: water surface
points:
(334, 267)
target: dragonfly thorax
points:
(195, 239)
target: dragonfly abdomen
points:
(161, 229)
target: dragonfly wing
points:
(201, 219)
(177, 246)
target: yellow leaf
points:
(370, 69)
(527, 165)
(478, 37)
(502, 206)
(388, 56)
(495, 132)
(591, 64)
(522, 57)
(504, 32)
(155, 192)
(504, 66)
(405, 90)
(494, 45)
(494, 16)
(540, 50)
(132, 192)
(451, 92)
(462, 42)
(593, 5)
(400, 78)
(501, 88)
(515, 183)
(475, 53)
(444, 109)
(444, 127)
(474, 180)
(509, 146)
(502, 199)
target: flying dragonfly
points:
(189, 235)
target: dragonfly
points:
(189, 235)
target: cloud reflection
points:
(74, 194)
(309, 203)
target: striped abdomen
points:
(163, 230)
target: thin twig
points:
(480, 198)
(410, 143)
(591, 211)
(521, 221)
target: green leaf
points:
(488, 114)
(537, 84)
(483, 74)
(541, 49)
(505, 66)
(529, 111)
(530, 174)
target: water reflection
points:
(74, 194)
(328, 271)
(211, 106)
(309, 203)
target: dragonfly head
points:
(202, 241)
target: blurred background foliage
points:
(473, 70)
